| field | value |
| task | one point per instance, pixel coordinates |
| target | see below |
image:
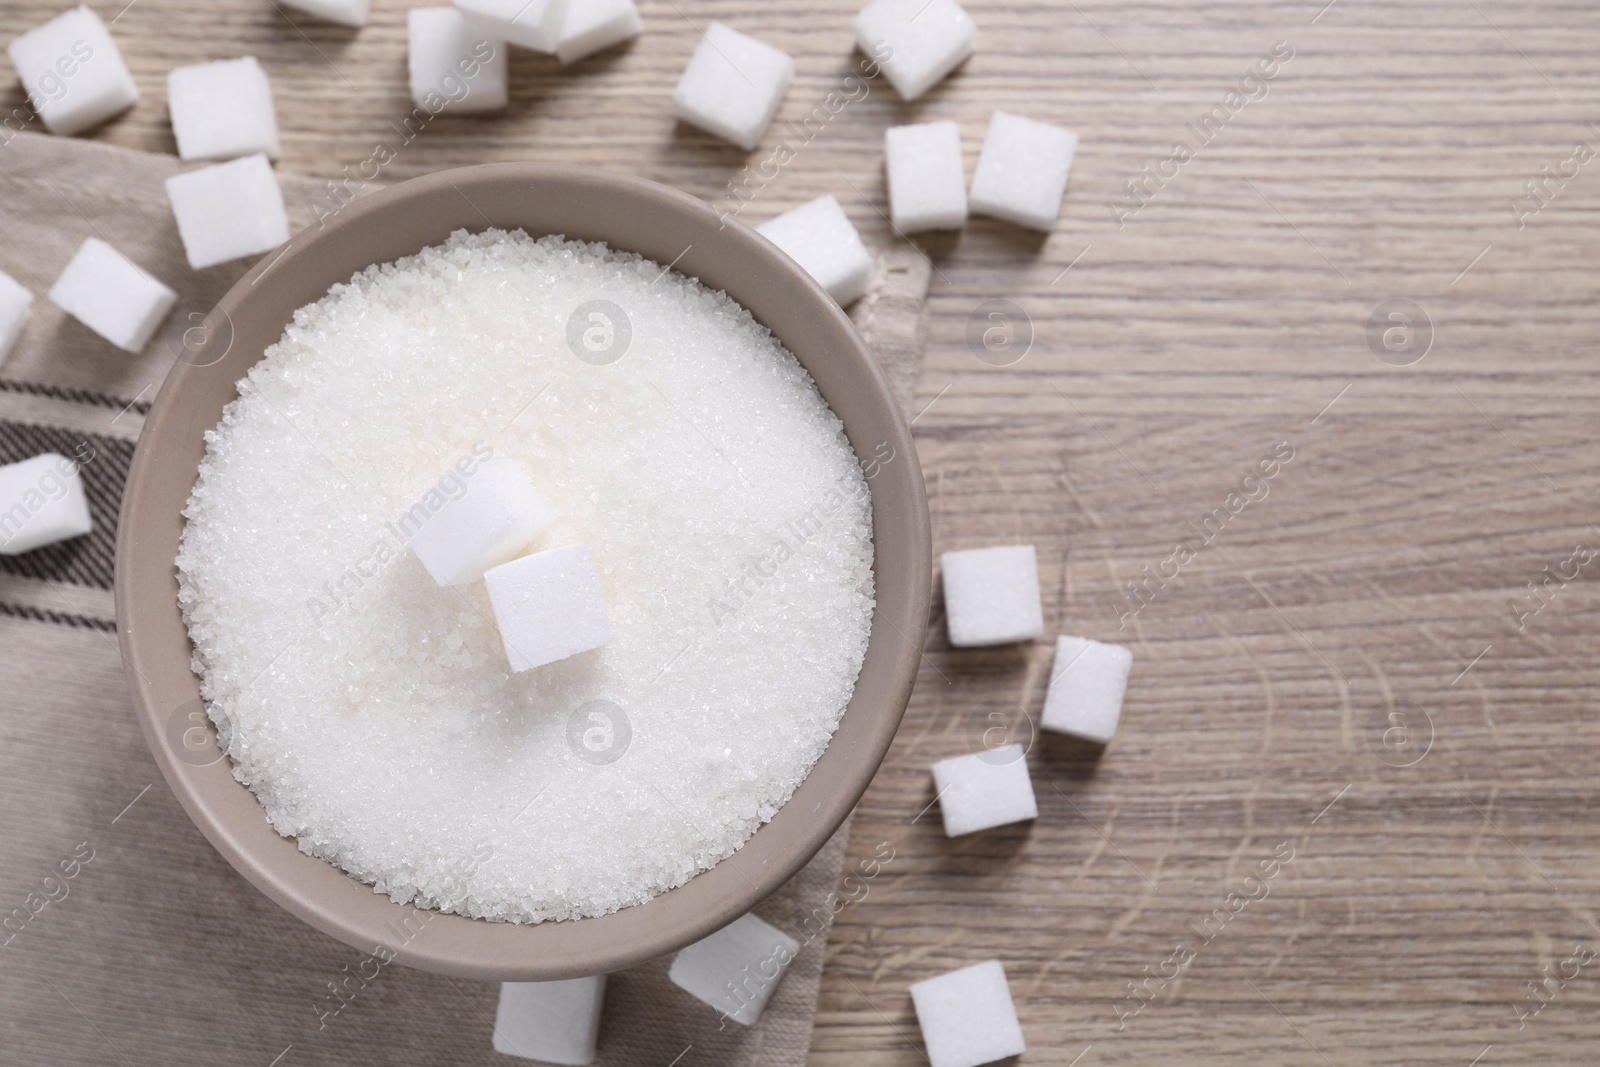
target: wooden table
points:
(1352, 669)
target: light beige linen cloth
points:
(130, 940)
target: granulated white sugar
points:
(374, 712)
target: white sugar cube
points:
(927, 186)
(222, 110)
(736, 969)
(1087, 681)
(229, 210)
(1022, 171)
(991, 596)
(14, 304)
(967, 1017)
(535, 24)
(986, 789)
(41, 502)
(920, 41)
(733, 85)
(548, 606)
(591, 26)
(820, 238)
(454, 64)
(479, 515)
(553, 1022)
(73, 72)
(112, 295)
(344, 12)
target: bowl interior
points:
(630, 214)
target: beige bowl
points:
(627, 213)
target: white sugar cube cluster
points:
(112, 295)
(991, 596)
(918, 41)
(1024, 164)
(41, 502)
(474, 524)
(572, 29)
(592, 26)
(1020, 178)
(480, 515)
(733, 85)
(983, 790)
(222, 110)
(344, 12)
(73, 72)
(1022, 171)
(228, 211)
(819, 236)
(534, 24)
(736, 969)
(551, 1022)
(967, 1017)
(454, 63)
(927, 185)
(1087, 682)
(14, 304)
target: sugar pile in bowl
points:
(373, 712)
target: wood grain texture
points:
(1224, 318)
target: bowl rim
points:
(146, 584)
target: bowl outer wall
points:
(628, 213)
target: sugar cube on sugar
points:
(344, 12)
(41, 502)
(927, 185)
(481, 514)
(984, 790)
(733, 85)
(736, 969)
(1022, 171)
(222, 110)
(535, 24)
(73, 72)
(991, 596)
(819, 236)
(229, 210)
(552, 1022)
(453, 63)
(1087, 682)
(591, 26)
(548, 606)
(967, 1017)
(14, 304)
(112, 295)
(917, 42)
